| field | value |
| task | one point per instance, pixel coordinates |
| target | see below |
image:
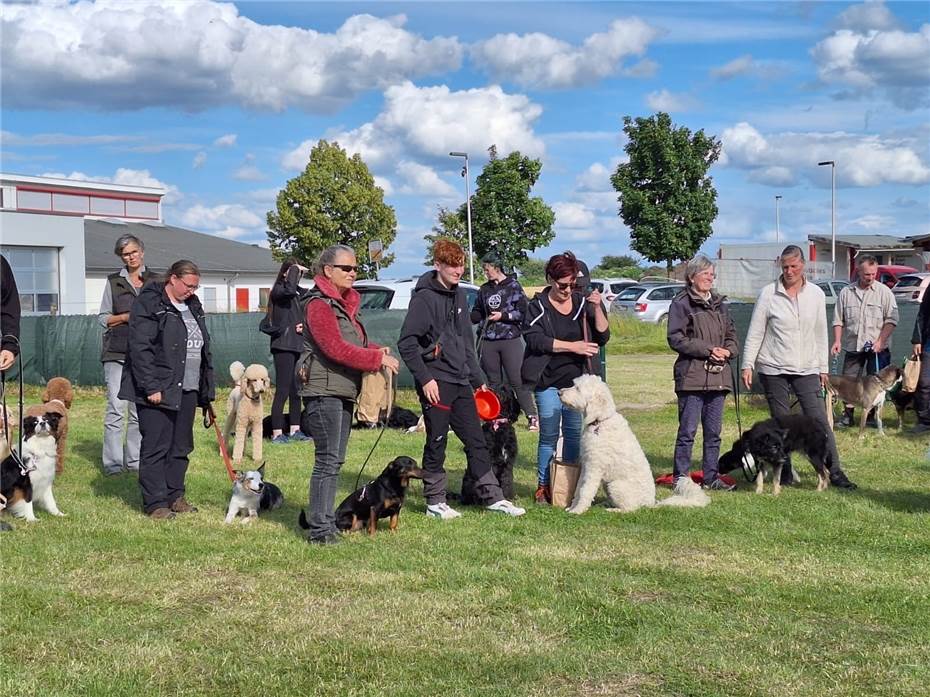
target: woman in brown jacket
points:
(701, 331)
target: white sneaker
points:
(504, 506)
(443, 511)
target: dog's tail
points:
(302, 520)
(686, 494)
(236, 370)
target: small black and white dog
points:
(32, 484)
(769, 443)
(251, 494)
(501, 439)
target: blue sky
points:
(220, 104)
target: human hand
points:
(385, 349)
(747, 378)
(595, 297)
(431, 392)
(495, 316)
(916, 349)
(154, 398)
(585, 348)
(719, 353)
(878, 345)
(6, 359)
(835, 349)
(388, 361)
(302, 269)
(824, 380)
(300, 327)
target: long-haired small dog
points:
(57, 397)
(38, 457)
(251, 494)
(501, 439)
(245, 408)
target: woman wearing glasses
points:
(563, 330)
(168, 374)
(118, 296)
(329, 374)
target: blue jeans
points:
(553, 416)
(330, 422)
(705, 408)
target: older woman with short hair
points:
(701, 331)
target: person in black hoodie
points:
(286, 346)
(563, 330)
(499, 309)
(168, 374)
(437, 344)
(920, 341)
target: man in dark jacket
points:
(436, 343)
(920, 341)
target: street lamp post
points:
(777, 228)
(832, 164)
(471, 262)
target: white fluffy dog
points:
(610, 454)
(245, 408)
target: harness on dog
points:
(15, 454)
(497, 423)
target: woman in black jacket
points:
(168, 374)
(920, 341)
(286, 346)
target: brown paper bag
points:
(911, 374)
(563, 478)
(375, 398)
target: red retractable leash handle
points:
(209, 418)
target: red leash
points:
(209, 417)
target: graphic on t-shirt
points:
(494, 301)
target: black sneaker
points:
(331, 539)
(718, 485)
(841, 481)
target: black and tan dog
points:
(382, 497)
(865, 393)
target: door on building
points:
(242, 299)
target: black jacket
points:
(506, 297)
(695, 326)
(9, 309)
(158, 350)
(285, 299)
(539, 334)
(921, 333)
(436, 340)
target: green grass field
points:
(808, 594)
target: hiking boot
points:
(443, 511)
(281, 440)
(333, 538)
(299, 436)
(718, 485)
(506, 507)
(543, 495)
(533, 424)
(181, 505)
(841, 481)
(162, 514)
(920, 428)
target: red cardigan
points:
(322, 321)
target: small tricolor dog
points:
(251, 494)
(29, 482)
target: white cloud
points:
(572, 215)
(871, 54)
(874, 222)
(860, 160)
(663, 100)
(385, 184)
(428, 122)
(247, 171)
(200, 159)
(747, 66)
(8, 139)
(737, 66)
(422, 180)
(199, 54)
(226, 141)
(227, 220)
(539, 60)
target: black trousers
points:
(501, 361)
(456, 408)
(167, 441)
(922, 395)
(778, 390)
(285, 389)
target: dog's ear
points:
(261, 470)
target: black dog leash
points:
(389, 379)
(749, 473)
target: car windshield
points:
(909, 281)
(375, 298)
(631, 293)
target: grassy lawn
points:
(807, 594)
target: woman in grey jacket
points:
(701, 331)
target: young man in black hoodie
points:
(437, 344)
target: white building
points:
(59, 235)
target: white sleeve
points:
(756, 329)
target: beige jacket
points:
(863, 313)
(787, 336)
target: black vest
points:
(116, 339)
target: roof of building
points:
(11, 179)
(166, 244)
(866, 241)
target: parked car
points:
(609, 287)
(889, 274)
(649, 303)
(911, 288)
(395, 294)
(831, 289)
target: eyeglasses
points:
(348, 268)
(127, 255)
(566, 286)
(190, 286)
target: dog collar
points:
(497, 423)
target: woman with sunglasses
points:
(168, 374)
(563, 330)
(119, 294)
(336, 353)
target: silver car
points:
(911, 288)
(831, 289)
(649, 303)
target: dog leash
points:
(209, 419)
(749, 471)
(389, 380)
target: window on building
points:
(141, 209)
(209, 299)
(34, 200)
(36, 273)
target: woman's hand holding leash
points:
(917, 348)
(718, 353)
(388, 361)
(6, 359)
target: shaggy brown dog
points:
(245, 408)
(56, 398)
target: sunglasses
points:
(348, 268)
(566, 286)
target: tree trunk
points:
(668, 268)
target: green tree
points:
(613, 261)
(666, 197)
(333, 201)
(450, 224)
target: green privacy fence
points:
(69, 346)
